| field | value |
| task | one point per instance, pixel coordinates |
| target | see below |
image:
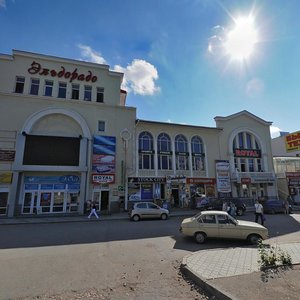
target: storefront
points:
(293, 181)
(44, 194)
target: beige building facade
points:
(67, 138)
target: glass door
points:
(97, 198)
(45, 202)
(72, 202)
(3, 202)
(58, 201)
(29, 203)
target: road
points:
(108, 259)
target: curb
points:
(206, 285)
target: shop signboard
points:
(107, 178)
(7, 155)
(146, 179)
(196, 180)
(292, 141)
(223, 176)
(5, 177)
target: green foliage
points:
(272, 256)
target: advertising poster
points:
(146, 191)
(103, 161)
(292, 142)
(223, 176)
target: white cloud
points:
(2, 3)
(275, 131)
(255, 88)
(139, 77)
(91, 55)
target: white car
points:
(148, 210)
(219, 224)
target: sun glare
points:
(241, 40)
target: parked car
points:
(219, 224)
(273, 206)
(148, 210)
(217, 204)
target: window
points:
(197, 154)
(208, 219)
(62, 90)
(181, 150)
(245, 162)
(48, 88)
(35, 84)
(75, 91)
(100, 94)
(87, 93)
(141, 205)
(164, 152)
(101, 126)
(146, 152)
(20, 81)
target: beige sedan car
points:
(219, 224)
(148, 210)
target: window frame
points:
(20, 84)
(62, 89)
(87, 95)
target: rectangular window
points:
(48, 88)
(35, 84)
(75, 91)
(20, 81)
(100, 94)
(101, 126)
(62, 90)
(87, 93)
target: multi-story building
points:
(286, 152)
(67, 138)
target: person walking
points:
(93, 211)
(259, 210)
(286, 206)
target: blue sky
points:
(174, 53)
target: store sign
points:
(292, 174)
(223, 176)
(250, 153)
(292, 141)
(6, 177)
(70, 179)
(7, 155)
(146, 179)
(108, 178)
(36, 68)
(200, 180)
(245, 180)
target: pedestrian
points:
(232, 209)
(224, 206)
(259, 210)
(93, 211)
(286, 207)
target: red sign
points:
(201, 180)
(36, 68)
(292, 174)
(247, 153)
(245, 180)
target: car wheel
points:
(239, 212)
(253, 239)
(136, 218)
(200, 237)
(164, 216)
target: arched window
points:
(197, 154)
(247, 153)
(146, 151)
(164, 152)
(181, 153)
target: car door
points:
(227, 227)
(208, 224)
(153, 210)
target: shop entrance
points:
(175, 196)
(3, 201)
(101, 199)
(30, 203)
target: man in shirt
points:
(259, 212)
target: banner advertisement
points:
(223, 176)
(104, 163)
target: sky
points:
(184, 61)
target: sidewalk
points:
(234, 273)
(40, 219)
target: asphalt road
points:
(112, 259)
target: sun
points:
(240, 41)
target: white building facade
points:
(68, 138)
